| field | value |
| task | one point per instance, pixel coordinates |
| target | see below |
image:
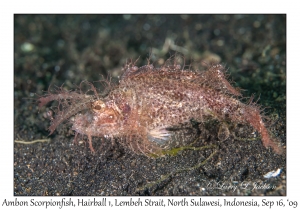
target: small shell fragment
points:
(272, 173)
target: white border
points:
(198, 7)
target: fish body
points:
(152, 109)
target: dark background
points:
(67, 49)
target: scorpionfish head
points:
(104, 115)
(101, 120)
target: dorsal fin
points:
(215, 78)
(132, 70)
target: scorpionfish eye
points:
(98, 105)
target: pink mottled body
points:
(151, 109)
